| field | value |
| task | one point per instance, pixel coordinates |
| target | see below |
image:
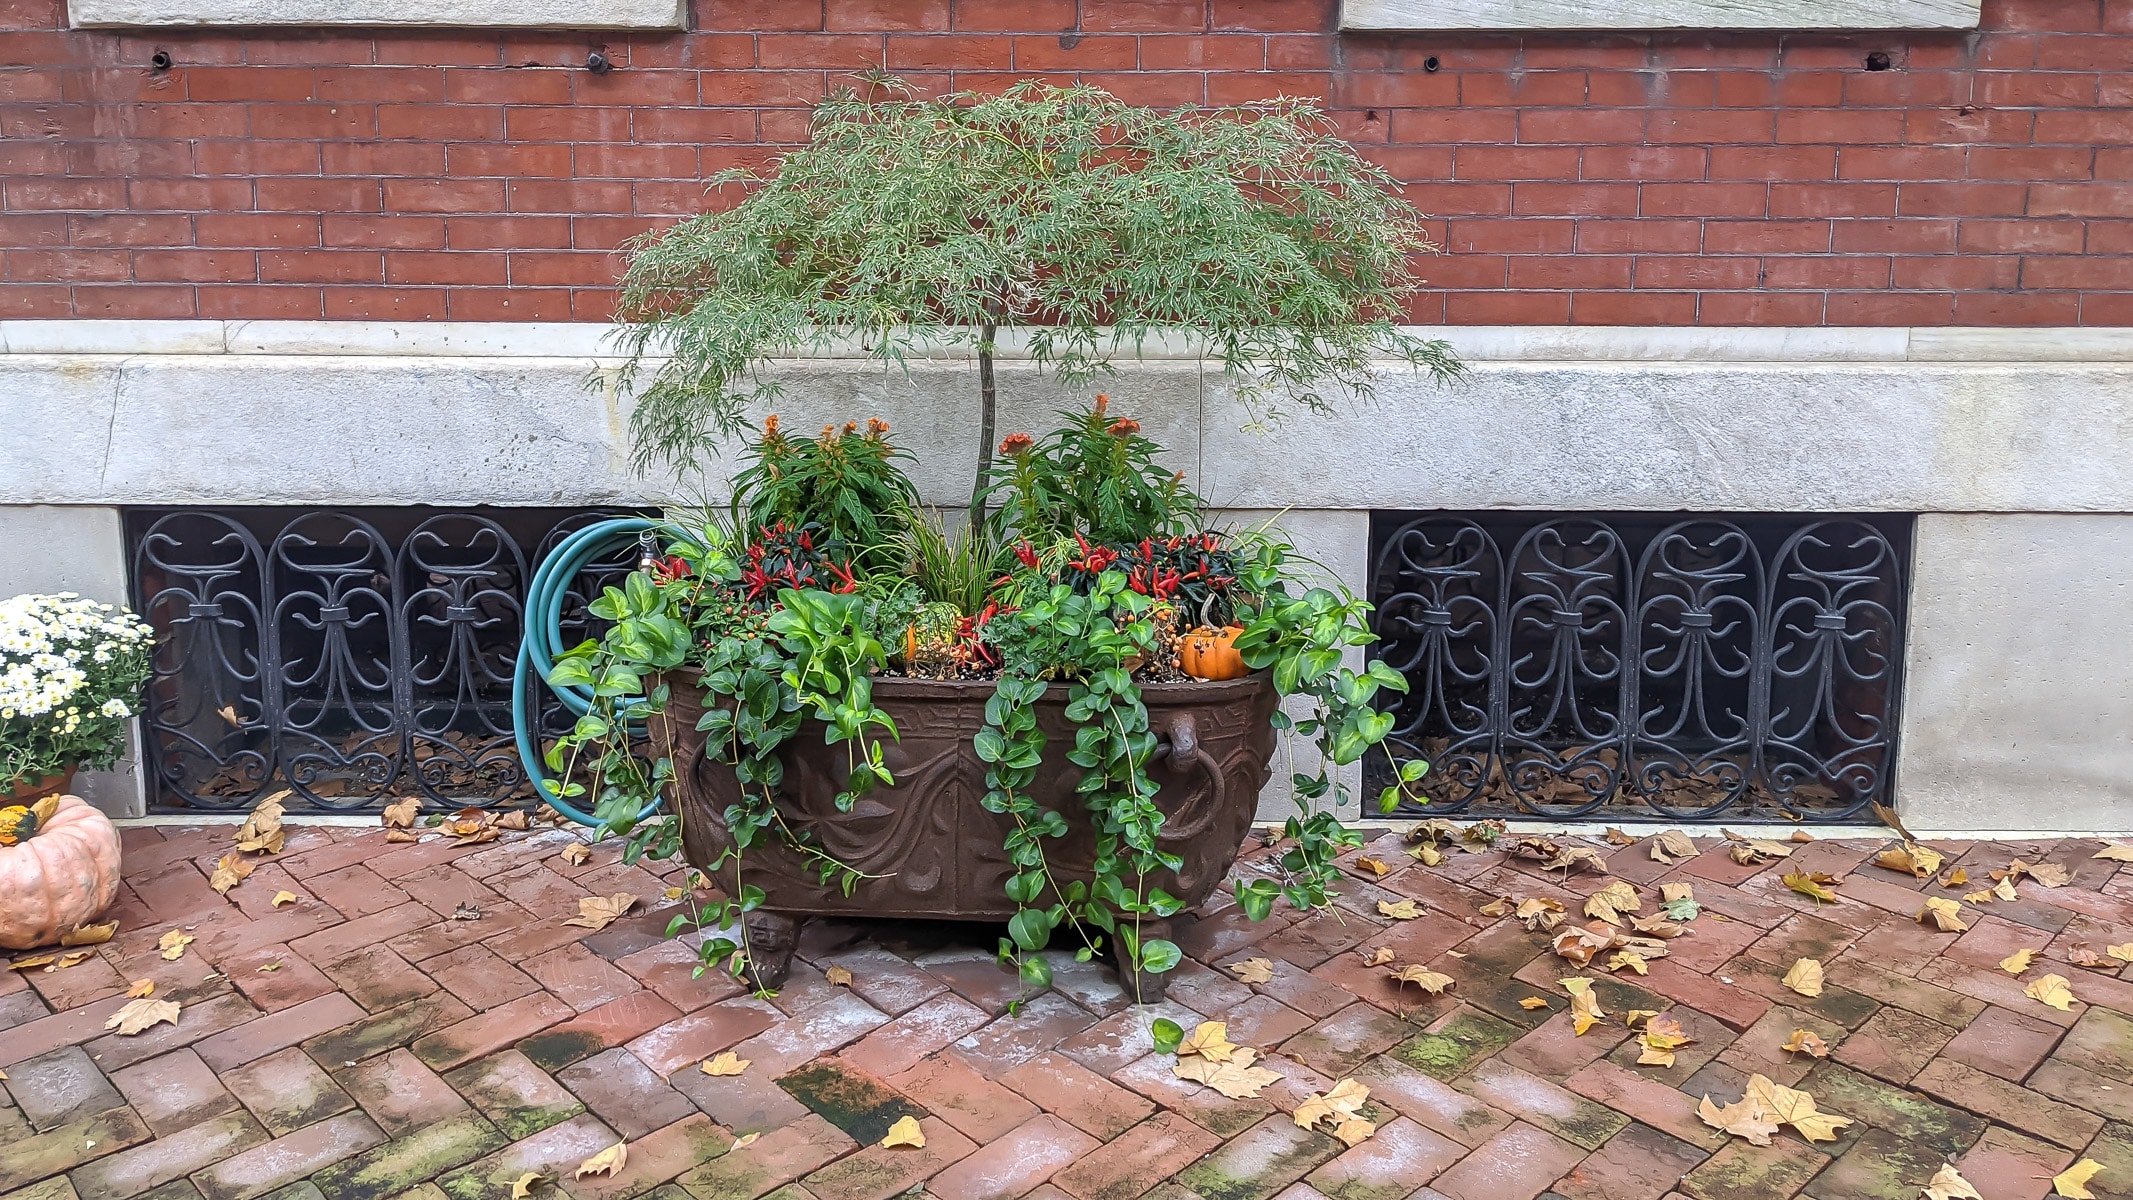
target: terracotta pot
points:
(28, 790)
(938, 852)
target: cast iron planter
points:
(938, 853)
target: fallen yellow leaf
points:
(229, 872)
(1630, 959)
(576, 853)
(1585, 1009)
(1237, 1078)
(1532, 1002)
(401, 815)
(281, 898)
(1795, 1108)
(2018, 962)
(2116, 852)
(598, 912)
(1805, 977)
(2123, 952)
(1672, 846)
(1745, 1118)
(262, 831)
(523, 1186)
(1373, 866)
(838, 976)
(2071, 1183)
(140, 988)
(89, 935)
(1661, 1037)
(1424, 978)
(1610, 902)
(1344, 1100)
(905, 1133)
(173, 944)
(608, 1162)
(1910, 859)
(1254, 970)
(137, 1015)
(2053, 990)
(743, 1142)
(1943, 914)
(1948, 1184)
(1371, 958)
(1353, 1131)
(1806, 1041)
(1208, 1040)
(1403, 910)
(1815, 885)
(726, 1063)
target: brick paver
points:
(391, 1051)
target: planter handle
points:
(1182, 744)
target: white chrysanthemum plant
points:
(71, 675)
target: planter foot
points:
(1142, 987)
(772, 937)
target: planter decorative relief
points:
(933, 850)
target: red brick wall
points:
(1735, 179)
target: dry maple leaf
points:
(1581, 945)
(402, 814)
(1532, 1002)
(140, 988)
(2123, 952)
(1499, 907)
(1208, 1040)
(1354, 1131)
(137, 1015)
(838, 976)
(1427, 854)
(1610, 902)
(2082, 955)
(2018, 962)
(1261, 970)
(281, 898)
(2072, 1183)
(726, 1063)
(229, 872)
(598, 912)
(2051, 875)
(173, 944)
(1403, 910)
(1815, 885)
(35, 960)
(1371, 958)
(1637, 1016)
(71, 959)
(1948, 1184)
(1237, 1078)
(1919, 862)
(1795, 1108)
(2053, 990)
(523, 1186)
(1628, 958)
(1585, 1009)
(516, 820)
(2116, 852)
(1805, 977)
(402, 835)
(1943, 914)
(1746, 1118)
(743, 1142)
(1376, 869)
(89, 935)
(1424, 978)
(1540, 913)
(576, 853)
(1344, 1100)
(1616, 837)
(1806, 1041)
(262, 831)
(608, 1162)
(1661, 1037)
(1672, 846)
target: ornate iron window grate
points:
(353, 656)
(1626, 666)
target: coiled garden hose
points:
(543, 641)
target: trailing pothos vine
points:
(780, 620)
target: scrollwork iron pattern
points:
(351, 666)
(1676, 668)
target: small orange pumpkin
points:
(64, 875)
(1208, 653)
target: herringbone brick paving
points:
(362, 1043)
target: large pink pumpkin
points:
(64, 875)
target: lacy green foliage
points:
(1089, 222)
(1096, 476)
(845, 483)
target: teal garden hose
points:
(543, 638)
